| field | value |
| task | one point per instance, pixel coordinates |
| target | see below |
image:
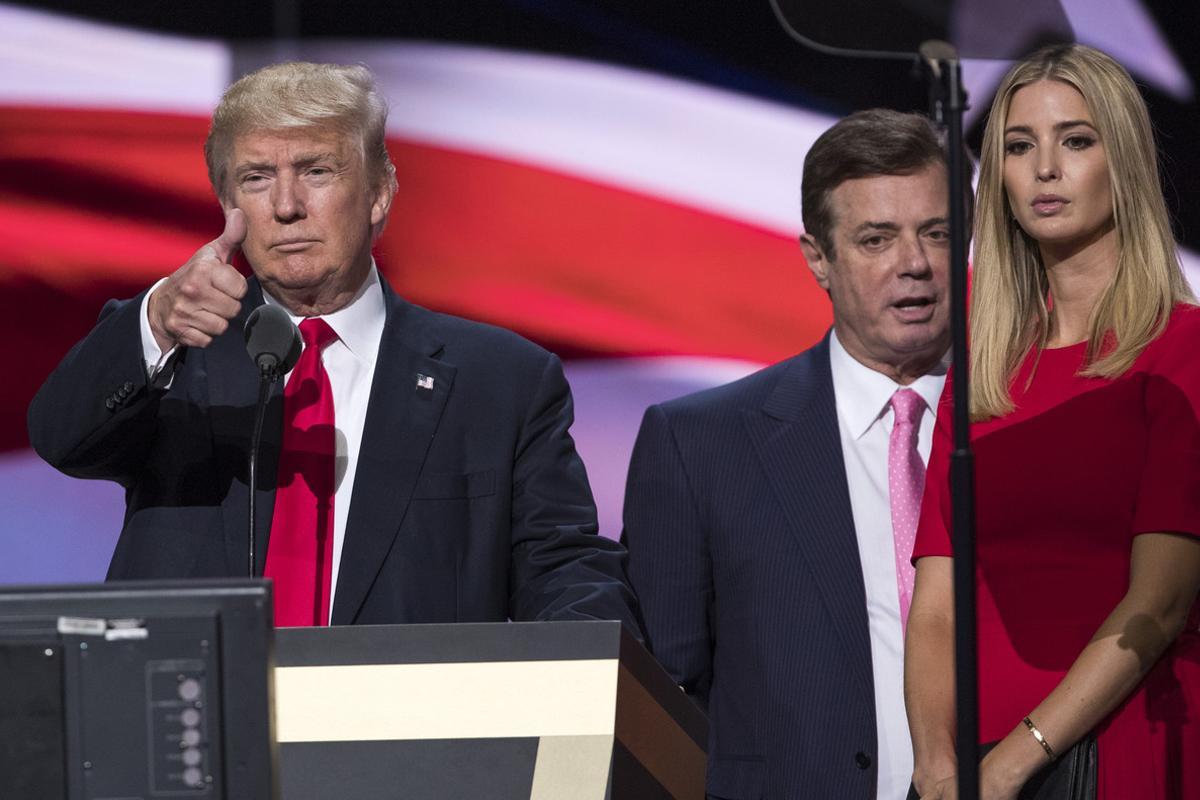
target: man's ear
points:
(818, 263)
(381, 203)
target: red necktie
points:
(300, 550)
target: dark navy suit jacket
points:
(470, 502)
(743, 552)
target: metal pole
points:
(948, 74)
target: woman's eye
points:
(1079, 142)
(1017, 148)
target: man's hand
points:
(198, 300)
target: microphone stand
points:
(948, 101)
(268, 374)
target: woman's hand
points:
(989, 788)
(944, 789)
(998, 781)
(927, 775)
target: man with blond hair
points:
(416, 467)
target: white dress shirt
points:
(865, 423)
(350, 364)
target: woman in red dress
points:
(1085, 381)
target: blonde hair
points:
(1009, 312)
(299, 95)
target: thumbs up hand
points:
(199, 299)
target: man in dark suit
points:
(416, 467)
(759, 515)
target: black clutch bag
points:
(1071, 777)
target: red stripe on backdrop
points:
(93, 205)
(590, 266)
(96, 204)
(116, 194)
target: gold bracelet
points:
(1037, 735)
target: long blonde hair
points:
(1009, 312)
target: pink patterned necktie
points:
(300, 551)
(906, 480)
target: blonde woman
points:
(1085, 404)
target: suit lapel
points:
(408, 393)
(796, 436)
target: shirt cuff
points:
(152, 355)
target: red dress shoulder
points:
(1063, 484)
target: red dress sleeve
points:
(933, 531)
(1168, 498)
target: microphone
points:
(273, 342)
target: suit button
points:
(110, 403)
(128, 387)
(863, 760)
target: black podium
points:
(509, 710)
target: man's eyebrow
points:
(308, 159)
(872, 225)
(876, 226)
(254, 166)
(1058, 126)
(302, 160)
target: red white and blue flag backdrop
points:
(639, 223)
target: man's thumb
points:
(231, 238)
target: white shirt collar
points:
(863, 395)
(359, 323)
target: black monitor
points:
(137, 689)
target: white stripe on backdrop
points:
(685, 142)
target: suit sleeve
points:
(95, 415)
(561, 569)
(669, 561)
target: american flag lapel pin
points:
(425, 382)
